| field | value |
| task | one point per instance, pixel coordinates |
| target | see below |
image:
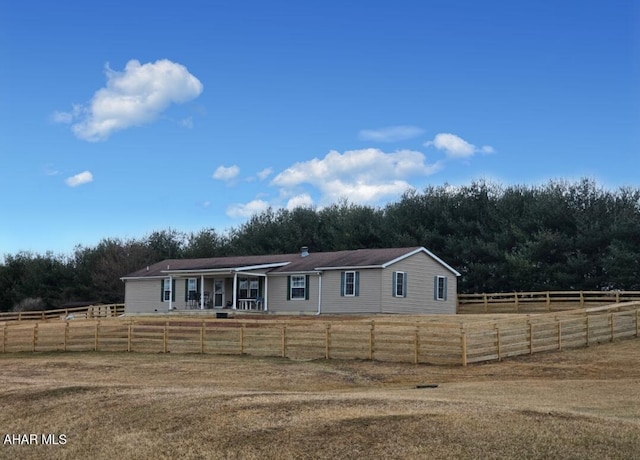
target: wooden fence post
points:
(284, 340)
(486, 303)
(416, 345)
(35, 336)
(637, 310)
(242, 338)
(498, 342)
(611, 325)
(165, 337)
(95, 342)
(66, 335)
(463, 343)
(327, 342)
(587, 321)
(548, 301)
(372, 338)
(530, 338)
(202, 337)
(129, 337)
(515, 295)
(581, 299)
(559, 336)
(4, 337)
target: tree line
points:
(561, 235)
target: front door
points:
(218, 293)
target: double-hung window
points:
(192, 289)
(298, 287)
(440, 288)
(168, 290)
(349, 284)
(399, 284)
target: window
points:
(350, 284)
(253, 289)
(399, 284)
(440, 288)
(168, 290)
(248, 288)
(243, 288)
(192, 289)
(298, 287)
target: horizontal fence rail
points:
(87, 312)
(540, 302)
(417, 341)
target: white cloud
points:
(133, 97)
(366, 175)
(247, 209)
(456, 147)
(224, 173)
(82, 178)
(300, 201)
(390, 133)
(262, 175)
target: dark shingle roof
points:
(294, 262)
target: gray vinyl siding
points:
(420, 270)
(367, 300)
(143, 296)
(278, 302)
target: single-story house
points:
(391, 280)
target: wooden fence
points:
(418, 341)
(91, 311)
(540, 302)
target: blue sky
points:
(121, 118)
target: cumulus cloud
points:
(247, 209)
(364, 176)
(300, 201)
(390, 133)
(133, 97)
(226, 173)
(79, 179)
(456, 147)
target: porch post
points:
(235, 290)
(170, 292)
(201, 292)
(266, 293)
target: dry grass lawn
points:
(576, 404)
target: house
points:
(391, 280)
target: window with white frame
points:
(166, 289)
(349, 284)
(399, 284)
(243, 288)
(440, 288)
(192, 289)
(253, 288)
(298, 287)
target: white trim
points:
(395, 284)
(319, 292)
(291, 287)
(426, 251)
(438, 278)
(344, 293)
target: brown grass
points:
(575, 404)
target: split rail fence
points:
(469, 340)
(91, 311)
(540, 302)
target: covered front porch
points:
(230, 290)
